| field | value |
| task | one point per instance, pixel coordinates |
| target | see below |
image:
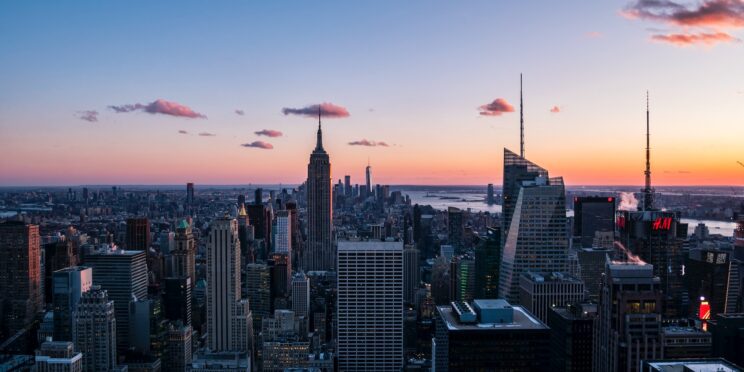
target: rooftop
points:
(692, 365)
(522, 319)
(369, 246)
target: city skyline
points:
(426, 93)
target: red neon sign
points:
(662, 223)
(621, 222)
(704, 310)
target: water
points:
(475, 201)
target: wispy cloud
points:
(327, 110)
(701, 23)
(88, 115)
(182, 132)
(365, 142)
(594, 34)
(555, 109)
(259, 145)
(240, 112)
(160, 106)
(686, 39)
(206, 134)
(496, 108)
(269, 133)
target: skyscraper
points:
(180, 261)
(138, 234)
(178, 347)
(628, 326)
(571, 333)
(535, 236)
(370, 306)
(229, 321)
(190, 194)
(57, 255)
(368, 172)
(58, 356)
(319, 254)
(94, 333)
(123, 275)
(347, 186)
(490, 198)
(411, 273)
(177, 299)
(707, 279)
(283, 233)
(258, 291)
(20, 276)
(540, 292)
(68, 285)
(301, 295)
(487, 264)
(455, 228)
(592, 214)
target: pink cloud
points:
(708, 13)
(259, 145)
(269, 133)
(160, 106)
(496, 108)
(365, 142)
(182, 132)
(327, 110)
(88, 115)
(685, 39)
(555, 109)
(206, 134)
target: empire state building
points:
(319, 254)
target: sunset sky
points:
(134, 92)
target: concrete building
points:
(370, 306)
(178, 347)
(95, 330)
(226, 361)
(180, 261)
(411, 273)
(571, 333)
(58, 356)
(301, 295)
(539, 292)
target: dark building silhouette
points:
(707, 279)
(487, 263)
(57, 256)
(20, 276)
(190, 194)
(138, 234)
(728, 337)
(177, 299)
(592, 214)
(571, 332)
(319, 253)
(489, 335)
(455, 228)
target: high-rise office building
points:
(281, 275)
(177, 299)
(260, 218)
(728, 336)
(628, 324)
(319, 254)
(411, 273)
(258, 291)
(370, 306)
(489, 335)
(592, 263)
(68, 286)
(138, 234)
(190, 193)
(539, 293)
(57, 255)
(229, 321)
(123, 275)
(490, 197)
(592, 214)
(368, 188)
(95, 330)
(301, 295)
(283, 233)
(178, 347)
(455, 228)
(707, 280)
(685, 343)
(21, 293)
(180, 260)
(487, 264)
(462, 275)
(535, 237)
(571, 333)
(58, 356)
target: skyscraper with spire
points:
(319, 254)
(368, 170)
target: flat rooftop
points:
(699, 365)
(523, 320)
(371, 245)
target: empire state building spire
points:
(319, 144)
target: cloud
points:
(594, 34)
(160, 106)
(269, 133)
(182, 132)
(628, 202)
(364, 142)
(708, 13)
(259, 145)
(206, 134)
(88, 115)
(240, 112)
(685, 39)
(327, 110)
(555, 109)
(496, 108)
(684, 172)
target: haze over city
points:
(168, 92)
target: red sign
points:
(621, 222)
(704, 310)
(662, 223)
